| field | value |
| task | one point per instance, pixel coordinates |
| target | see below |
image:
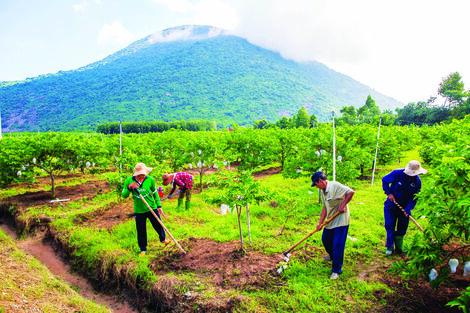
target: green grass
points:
(307, 285)
(27, 285)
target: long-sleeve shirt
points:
(147, 189)
(403, 187)
(183, 180)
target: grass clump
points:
(28, 286)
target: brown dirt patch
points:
(223, 264)
(108, 217)
(415, 296)
(368, 178)
(40, 198)
(267, 172)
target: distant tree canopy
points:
(456, 106)
(301, 119)
(421, 113)
(369, 113)
(155, 126)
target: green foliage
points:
(452, 88)
(241, 189)
(154, 127)
(421, 113)
(444, 202)
(260, 124)
(302, 118)
(462, 302)
(456, 105)
(369, 112)
(223, 78)
(52, 153)
(205, 154)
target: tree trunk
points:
(239, 211)
(248, 222)
(200, 177)
(52, 185)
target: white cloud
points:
(216, 13)
(304, 29)
(179, 6)
(115, 34)
(183, 33)
(401, 48)
(80, 7)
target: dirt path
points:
(44, 253)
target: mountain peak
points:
(186, 32)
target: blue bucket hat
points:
(316, 176)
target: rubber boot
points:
(399, 244)
(180, 204)
(188, 205)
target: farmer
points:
(185, 183)
(400, 186)
(146, 186)
(335, 198)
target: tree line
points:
(155, 126)
(456, 106)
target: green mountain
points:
(182, 73)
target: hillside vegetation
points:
(223, 78)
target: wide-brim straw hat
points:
(414, 168)
(140, 169)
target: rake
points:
(159, 221)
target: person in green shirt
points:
(146, 186)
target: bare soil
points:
(73, 193)
(223, 263)
(418, 296)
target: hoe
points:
(161, 223)
(313, 232)
(411, 218)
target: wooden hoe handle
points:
(411, 218)
(313, 232)
(161, 223)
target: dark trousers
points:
(334, 241)
(394, 217)
(141, 223)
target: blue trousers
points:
(141, 223)
(334, 241)
(394, 217)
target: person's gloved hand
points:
(408, 210)
(169, 196)
(133, 185)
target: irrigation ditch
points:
(45, 250)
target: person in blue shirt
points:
(400, 186)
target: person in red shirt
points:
(182, 180)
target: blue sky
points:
(402, 48)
